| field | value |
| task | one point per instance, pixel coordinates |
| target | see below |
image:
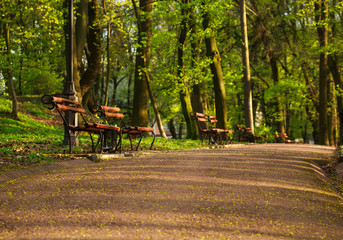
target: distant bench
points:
(208, 131)
(246, 135)
(283, 138)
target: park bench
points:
(112, 116)
(225, 134)
(283, 138)
(63, 105)
(207, 129)
(246, 135)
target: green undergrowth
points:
(37, 139)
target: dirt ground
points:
(264, 191)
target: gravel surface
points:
(263, 191)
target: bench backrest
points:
(111, 115)
(65, 105)
(202, 121)
(281, 135)
(213, 121)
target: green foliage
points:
(41, 81)
(36, 44)
(267, 132)
(289, 90)
(285, 31)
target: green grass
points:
(35, 140)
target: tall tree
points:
(212, 53)
(89, 77)
(185, 96)
(144, 22)
(8, 17)
(9, 70)
(321, 15)
(248, 107)
(108, 57)
(334, 62)
(197, 97)
(79, 42)
(141, 94)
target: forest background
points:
(269, 65)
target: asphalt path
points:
(262, 191)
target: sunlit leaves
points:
(36, 38)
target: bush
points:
(41, 81)
(267, 132)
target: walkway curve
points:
(263, 191)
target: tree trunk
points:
(197, 100)
(14, 113)
(108, 69)
(334, 68)
(321, 9)
(79, 43)
(172, 129)
(154, 105)
(275, 74)
(333, 63)
(145, 35)
(141, 95)
(217, 72)
(185, 97)
(108, 72)
(248, 107)
(94, 49)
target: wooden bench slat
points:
(72, 109)
(144, 129)
(114, 115)
(202, 119)
(199, 115)
(108, 127)
(107, 108)
(64, 100)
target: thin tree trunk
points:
(108, 72)
(248, 107)
(275, 75)
(129, 82)
(331, 112)
(14, 113)
(154, 105)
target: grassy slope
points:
(37, 139)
